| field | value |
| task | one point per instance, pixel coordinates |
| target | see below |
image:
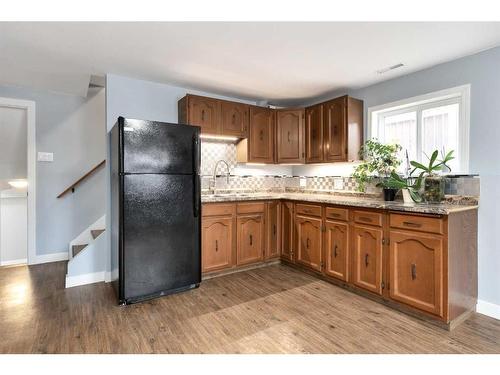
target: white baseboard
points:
(488, 308)
(46, 258)
(13, 262)
(88, 278)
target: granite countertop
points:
(341, 200)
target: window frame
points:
(418, 104)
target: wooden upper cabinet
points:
(314, 134)
(416, 270)
(251, 235)
(217, 243)
(309, 241)
(290, 135)
(336, 249)
(261, 135)
(335, 129)
(273, 229)
(367, 257)
(287, 231)
(200, 111)
(234, 119)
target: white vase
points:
(407, 196)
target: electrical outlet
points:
(338, 184)
(45, 156)
(303, 182)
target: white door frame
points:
(30, 108)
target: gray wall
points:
(73, 128)
(482, 72)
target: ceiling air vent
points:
(385, 70)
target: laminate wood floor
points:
(274, 309)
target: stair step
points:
(96, 233)
(77, 248)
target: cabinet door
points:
(273, 230)
(261, 137)
(367, 257)
(217, 243)
(416, 270)
(336, 249)
(250, 233)
(309, 241)
(290, 133)
(314, 134)
(234, 119)
(287, 231)
(335, 121)
(205, 113)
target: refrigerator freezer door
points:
(156, 147)
(161, 235)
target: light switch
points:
(45, 156)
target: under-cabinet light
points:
(18, 184)
(218, 137)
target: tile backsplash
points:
(245, 177)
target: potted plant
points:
(379, 161)
(433, 182)
(410, 187)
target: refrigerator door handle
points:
(196, 174)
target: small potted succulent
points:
(433, 183)
(379, 161)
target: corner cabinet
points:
(287, 231)
(234, 119)
(261, 135)
(273, 229)
(314, 134)
(200, 111)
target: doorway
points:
(17, 182)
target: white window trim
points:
(462, 92)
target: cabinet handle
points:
(364, 218)
(261, 135)
(307, 243)
(233, 119)
(288, 137)
(202, 115)
(216, 245)
(333, 214)
(366, 260)
(411, 224)
(335, 251)
(274, 229)
(413, 271)
(313, 134)
(335, 130)
(251, 240)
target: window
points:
(437, 121)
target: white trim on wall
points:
(13, 262)
(488, 308)
(30, 108)
(88, 278)
(53, 257)
(462, 92)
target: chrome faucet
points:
(215, 173)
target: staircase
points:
(87, 256)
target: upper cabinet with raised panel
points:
(261, 135)
(234, 119)
(290, 136)
(334, 130)
(200, 111)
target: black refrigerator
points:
(155, 209)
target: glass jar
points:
(433, 189)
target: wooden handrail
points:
(72, 187)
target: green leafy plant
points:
(434, 164)
(379, 161)
(413, 185)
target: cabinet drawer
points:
(335, 213)
(419, 223)
(248, 208)
(368, 217)
(308, 209)
(217, 209)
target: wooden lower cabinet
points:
(287, 231)
(416, 270)
(273, 230)
(250, 233)
(217, 243)
(367, 257)
(336, 249)
(309, 241)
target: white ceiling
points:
(275, 61)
